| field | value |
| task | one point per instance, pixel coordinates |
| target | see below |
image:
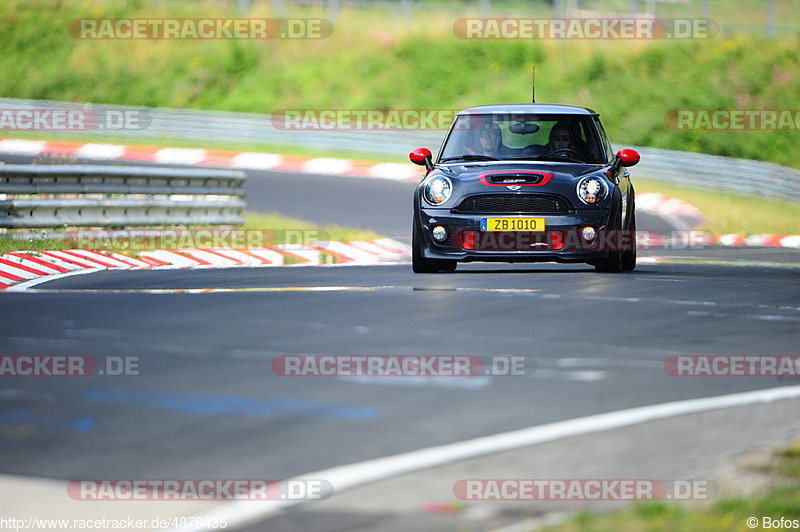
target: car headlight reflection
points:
(437, 190)
(592, 190)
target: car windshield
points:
(487, 137)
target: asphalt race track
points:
(206, 403)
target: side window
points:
(606, 144)
(582, 131)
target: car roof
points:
(529, 108)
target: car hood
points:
(467, 172)
(509, 178)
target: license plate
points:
(512, 224)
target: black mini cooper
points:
(525, 183)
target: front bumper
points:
(510, 247)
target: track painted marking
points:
(26, 417)
(242, 513)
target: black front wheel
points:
(612, 264)
(629, 255)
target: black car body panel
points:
(545, 189)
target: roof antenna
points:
(533, 84)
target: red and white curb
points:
(218, 158)
(686, 216)
(697, 239)
(23, 266)
(772, 241)
(679, 213)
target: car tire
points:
(419, 264)
(612, 264)
(629, 256)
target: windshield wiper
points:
(468, 157)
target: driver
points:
(561, 139)
(565, 143)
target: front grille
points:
(527, 203)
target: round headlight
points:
(592, 190)
(437, 190)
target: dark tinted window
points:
(525, 136)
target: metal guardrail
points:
(225, 127)
(118, 196)
(739, 176)
(682, 168)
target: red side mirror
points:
(628, 157)
(420, 155)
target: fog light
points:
(588, 234)
(439, 233)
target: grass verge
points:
(725, 515)
(732, 213)
(259, 229)
(273, 221)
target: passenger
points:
(491, 141)
(488, 141)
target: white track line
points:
(241, 513)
